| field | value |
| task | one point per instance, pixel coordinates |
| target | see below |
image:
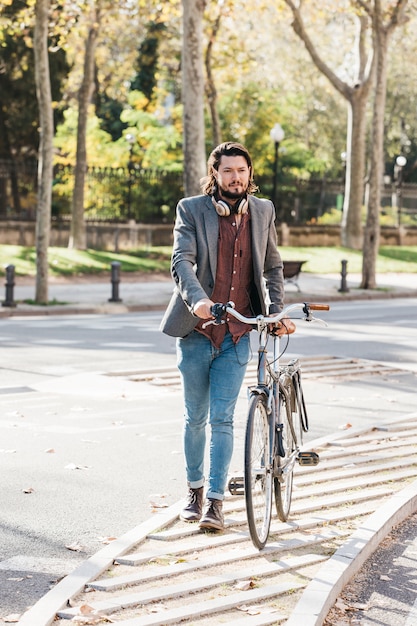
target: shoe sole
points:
(195, 519)
(209, 526)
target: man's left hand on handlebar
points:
(284, 327)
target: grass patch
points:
(53, 302)
(328, 260)
(65, 262)
(319, 260)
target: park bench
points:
(292, 271)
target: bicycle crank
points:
(308, 458)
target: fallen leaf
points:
(155, 501)
(358, 606)
(158, 505)
(28, 490)
(16, 580)
(345, 426)
(50, 451)
(244, 585)
(74, 466)
(75, 547)
(106, 540)
(341, 605)
(13, 618)
(383, 577)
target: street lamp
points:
(131, 139)
(277, 134)
(400, 163)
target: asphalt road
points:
(85, 455)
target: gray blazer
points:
(194, 261)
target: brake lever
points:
(217, 311)
(318, 320)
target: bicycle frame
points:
(276, 420)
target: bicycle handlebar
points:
(218, 310)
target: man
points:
(225, 248)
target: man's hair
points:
(229, 148)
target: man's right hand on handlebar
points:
(203, 309)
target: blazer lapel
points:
(211, 222)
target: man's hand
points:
(284, 327)
(202, 309)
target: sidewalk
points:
(137, 294)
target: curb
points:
(43, 613)
(323, 591)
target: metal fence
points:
(150, 196)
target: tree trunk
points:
(193, 96)
(45, 159)
(78, 235)
(381, 35)
(372, 229)
(211, 91)
(355, 171)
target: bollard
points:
(9, 287)
(115, 280)
(343, 285)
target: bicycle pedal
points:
(308, 458)
(236, 486)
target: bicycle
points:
(276, 420)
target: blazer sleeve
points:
(185, 255)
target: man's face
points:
(232, 177)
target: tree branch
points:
(298, 26)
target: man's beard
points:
(232, 195)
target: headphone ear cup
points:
(221, 207)
(243, 206)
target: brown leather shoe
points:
(193, 509)
(213, 516)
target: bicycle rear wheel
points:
(289, 418)
(258, 471)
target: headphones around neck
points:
(224, 209)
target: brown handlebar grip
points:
(318, 307)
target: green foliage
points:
(19, 107)
(148, 61)
(158, 142)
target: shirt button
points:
(232, 289)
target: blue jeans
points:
(212, 380)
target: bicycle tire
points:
(258, 476)
(289, 419)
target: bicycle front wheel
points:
(258, 471)
(290, 428)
